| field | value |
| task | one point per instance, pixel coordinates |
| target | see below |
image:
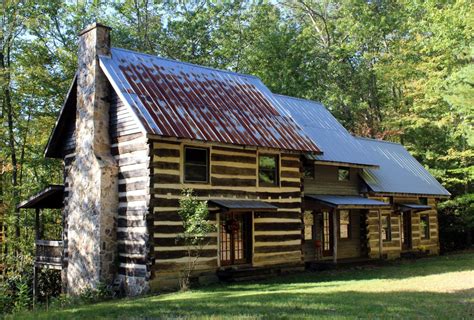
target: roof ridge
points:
(189, 63)
(378, 140)
(302, 99)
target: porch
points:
(48, 252)
(337, 229)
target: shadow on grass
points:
(270, 305)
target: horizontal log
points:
(163, 266)
(233, 182)
(290, 164)
(166, 255)
(165, 165)
(290, 174)
(133, 198)
(290, 184)
(128, 148)
(126, 248)
(132, 260)
(268, 249)
(274, 238)
(218, 169)
(161, 152)
(170, 242)
(122, 223)
(277, 226)
(165, 178)
(132, 272)
(236, 150)
(232, 158)
(132, 236)
(134, 174)
(132, 186)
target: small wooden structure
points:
(49, 253)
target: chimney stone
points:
(91, 210)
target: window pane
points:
(425, 226)
(309, 171)
(196, 165)
(343, 174)
(344, 223)
(386, 228)
(268, 170)
(196, 156)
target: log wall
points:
(326, 182)
(233, 175)
(392, 249)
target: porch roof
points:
(345, 202)
(413, 206)
(50, 197)
(244, 205)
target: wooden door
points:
(406, 231)
(235, 238)
(327, 233)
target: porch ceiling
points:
(244, 205)
(345, 202)
(50, 197)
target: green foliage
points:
(195, 214)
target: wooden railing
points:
(49, 252)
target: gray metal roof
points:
(177, 99)
(337, 144)
(244, 205)
(399, 171)
(346, 201)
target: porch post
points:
(37, 223)
(35, 284)
(380, 235)
(334, 236)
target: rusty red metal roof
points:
(177, 99)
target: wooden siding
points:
(122, 122)
(325, 182)
(131, 151)
(393, 249)
(233, 175)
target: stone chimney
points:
(91, 211)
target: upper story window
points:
(425, 226)
(343, 174)
(196, 164)
(386, 228)
(268, 170)
(344, 224)
(424, 200)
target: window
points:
(424, 200)
(343, 174)
(308, 225)
(196, 165)
(386, 228)
(344, 224)
(268, 170)
(425, 226)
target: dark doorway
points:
(235, 237)
(327, 233)
(364, 245)
(406, 230)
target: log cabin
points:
(284, 181)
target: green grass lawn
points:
(439, 287)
